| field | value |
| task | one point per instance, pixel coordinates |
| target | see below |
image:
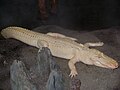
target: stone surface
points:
(19, 77)
(75, 84)
(44, 71)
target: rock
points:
(19, 77)
(75, 84)
(38, 75)
(55, 81)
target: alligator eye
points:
(99, 57)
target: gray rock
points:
(39, 74)
(55, 81)
(19, 77)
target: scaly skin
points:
(62, 46)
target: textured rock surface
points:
(44, 71)
(20, 77)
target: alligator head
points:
(97, 58)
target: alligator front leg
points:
(72, 67)
(41, 43)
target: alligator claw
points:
(73, 74)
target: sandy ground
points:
(92, 77)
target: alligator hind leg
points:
(93, 44)
(41, 43)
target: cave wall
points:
(85, 14)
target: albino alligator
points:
(62, 46)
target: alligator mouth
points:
(113, 66)
(107, 65)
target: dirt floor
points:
(92, 77)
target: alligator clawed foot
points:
(73, 74)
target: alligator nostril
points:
(113, 66)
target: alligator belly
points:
(62, 52)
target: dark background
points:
(75, 14)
